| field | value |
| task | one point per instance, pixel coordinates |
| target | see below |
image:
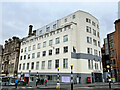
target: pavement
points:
(93, 86)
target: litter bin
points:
(88, 79)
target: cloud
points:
(18, 15)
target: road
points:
(98, 86)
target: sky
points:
(17, 16)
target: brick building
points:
(114, 50)
(11, 56)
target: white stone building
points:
(54, 46)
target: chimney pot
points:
(30, 30)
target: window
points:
(57, 51)
(69, 27)
(65, 28)
(24, 57)
(44, 53)
(32, 66)
(20, 67)
(97, 26)
(44, 44)
(88, 29)
(27, 66)
(50, 52)
(65, 49)
(33, 47)
(38, 46)
(40, 31)
(29, 48)
(47, 29)
(43, 65)
(96, 65)
(93, 23)
(49, 77)
(37, 65)
(99, 43)
(57, 40)
(57, 31)
(21, 50)
(73, 16)
(57, 63)
(89, 40)
(65, 63)
(65, 38)
(95, 42)
(54, 26)
(20, 57)
(89, 50)
(112, 44)
(94, 32)
(23, 66)
(66, 20)
(89, 64)
(28, 56)
(99, 53)
(114, 62)
(49, 64)
(95, 52)
(33, 55)
(88, 20)
(38, 54)
(25, 49)
(113, 52)
(50, 42)
(98, 34)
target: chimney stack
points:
(34, 32)
(30, 30)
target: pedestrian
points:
(16, 82)
(45, 82)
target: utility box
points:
(88, 79)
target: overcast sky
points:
(17, 16)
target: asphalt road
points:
(60, 89)
(75, 88)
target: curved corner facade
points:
(73, 39)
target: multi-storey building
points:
(73, 39)
(114, 51)
(1, 56)
(105, 59)
(11, 56)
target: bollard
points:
(58, 86)
(58, 80)
(71, 77)
(110, 83)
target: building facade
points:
(11, 56)
(1, 56)
(114, 51)
(73, 39)
(105, 59)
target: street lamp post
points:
(58, 80)
(109, 78)
(71, 76)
